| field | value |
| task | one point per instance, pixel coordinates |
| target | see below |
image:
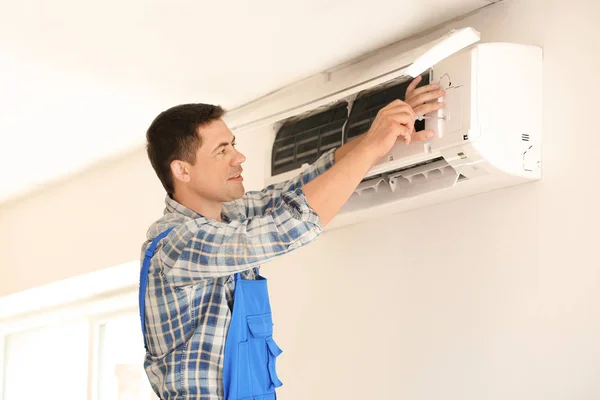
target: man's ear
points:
(180, 170)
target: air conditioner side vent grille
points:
(406, 168)
(303, 141)
(368, 103)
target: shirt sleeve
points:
(255, 203)
(204, 248)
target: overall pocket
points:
(263, 352)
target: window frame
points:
(96, 297)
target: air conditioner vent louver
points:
(367, 105)
(414, 174)
(411, 181)
(302, 141)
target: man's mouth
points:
(237, 178)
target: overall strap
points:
(144, 278)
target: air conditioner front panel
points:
(484, 136)
(484, 141)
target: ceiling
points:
(81, 81)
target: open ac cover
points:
(488, 135)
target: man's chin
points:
(238, 193)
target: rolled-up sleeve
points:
(203, 248)
(258, 202)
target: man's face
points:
(216, 175)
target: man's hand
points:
(420, 99)
(393, 122)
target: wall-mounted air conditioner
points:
(488, 135)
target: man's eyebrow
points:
(223, 144)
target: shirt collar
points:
(172, 206)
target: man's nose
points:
(239, 158)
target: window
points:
(47, 362)
(121, 375)
(81, 347)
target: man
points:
(205, 311)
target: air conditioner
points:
(487, 137)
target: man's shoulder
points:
(172, 244)
(172, 221)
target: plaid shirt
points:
(189, 297)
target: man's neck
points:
(206, 208)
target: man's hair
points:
(173, 135)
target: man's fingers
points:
(425, 97)
(422, 135)
(408, 110)
(404, 119)
(412, 86)
(396, 107)
(394, 104)
(405, 135)
(426, 88)
(429, 107)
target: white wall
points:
(96, 220)
(490, 297)
(495, 296)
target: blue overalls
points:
(250, 351)
(249, 371)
